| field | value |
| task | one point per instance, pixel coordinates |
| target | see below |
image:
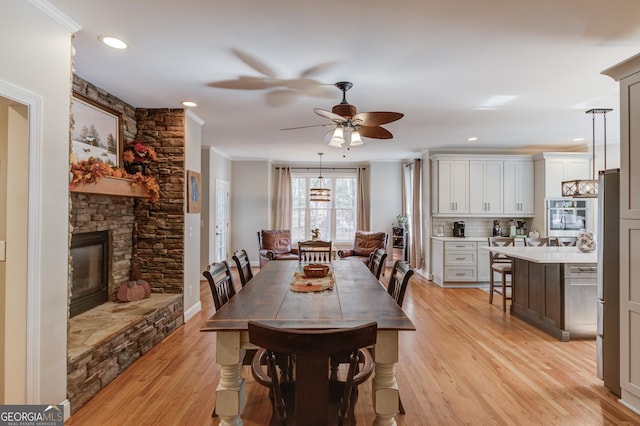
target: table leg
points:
(230, 393)
(385, 388)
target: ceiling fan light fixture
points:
(338, 138)
(356, 140)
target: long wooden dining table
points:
(356, 298)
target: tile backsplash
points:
(474, 226)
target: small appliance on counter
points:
(458, 229)
(497, 229)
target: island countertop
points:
(546, 254)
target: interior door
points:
(221, 236)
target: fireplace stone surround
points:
(104, 341)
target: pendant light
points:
(320, 193)
(588, 188)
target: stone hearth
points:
(107, 339)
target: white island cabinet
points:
(628, 73)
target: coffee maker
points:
(458, 229)
(497, 229)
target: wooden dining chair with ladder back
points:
(243, 264)
(502, 265)
(313, 398)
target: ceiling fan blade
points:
(376, 118)
(375, 132)
(254, 63)
(309, 126)
(331, 116)
(243, 83)
(281, 97)
(317, 69)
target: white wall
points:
(215, 166)
(36, 59)
(250, 205)
(193, 135)
(385, 197)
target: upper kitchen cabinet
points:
(451, 187)
(485, 187)
(552, 168)
(482, 185)
(518, 187)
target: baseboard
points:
(66, 406)
(192, 311)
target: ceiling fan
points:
(350, 124)
(281, 91)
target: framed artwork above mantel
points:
(96, 131)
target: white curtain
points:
(284, 196)
(412, 204)
(362, 221)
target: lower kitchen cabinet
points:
(459, 262)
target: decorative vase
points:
(586, 243)
(136, 167)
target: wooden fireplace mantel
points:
(109, 185)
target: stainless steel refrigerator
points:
(608, 337)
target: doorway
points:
(14, 178)
(222, 221)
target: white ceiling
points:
(436, 61)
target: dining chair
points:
(397, 287)
(313, 398)
(377, 260)
(400, 275)
(241, 259)
(536, 242)
(314, 251)
(500, 264)
(220, 282)
(565, 241)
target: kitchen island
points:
(554, 289)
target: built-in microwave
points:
(566, 217)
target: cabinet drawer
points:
(461, 245)
(460, 258)
(460, 274)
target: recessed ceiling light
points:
(116, 43)
(472, 138)
(578, 139)
(189, 103)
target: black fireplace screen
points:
(90, 274)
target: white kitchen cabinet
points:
(452, 180)
(485, 187)
(518, 188)
(557, 167)
(484, 269)
(460, 261)
(437, 261)
(628, 73)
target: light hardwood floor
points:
(468, 363)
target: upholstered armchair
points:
(275, 245)
(365, 243)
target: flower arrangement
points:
(138, 152)
(136, 156)
(92, 170)
(402, 220)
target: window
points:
(335, 219)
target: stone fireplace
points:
(105, 340)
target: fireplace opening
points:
(90, 273)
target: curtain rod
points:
(323, 168)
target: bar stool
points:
(502, 265)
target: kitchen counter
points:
(554, 289)
(547, 254)
(475, 239)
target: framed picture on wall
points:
(96, 131)
(193, 192)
